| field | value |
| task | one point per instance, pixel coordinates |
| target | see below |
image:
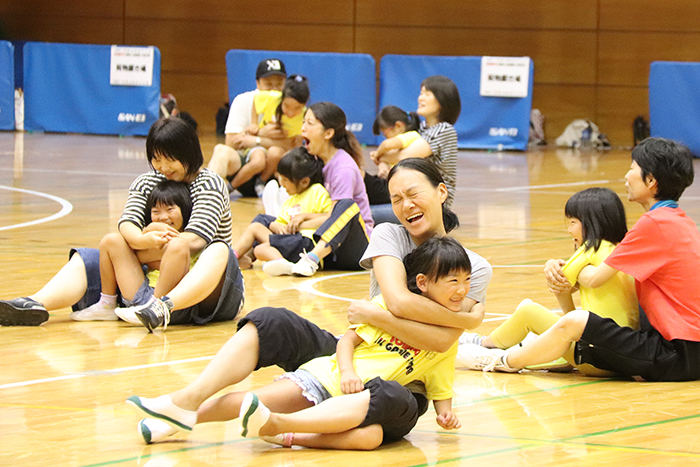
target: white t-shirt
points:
(393, 240)
(240, 113)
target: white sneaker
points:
(128, 314)
(496, 361)
(470, 338)
(153, 430)
(305, 266)
(470, 356)
(95, 312)
(278, 267)
(254, 415)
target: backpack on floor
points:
(581, 134)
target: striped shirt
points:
(442, 139)
(211, 209)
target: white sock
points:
(108, 301)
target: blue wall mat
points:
(7, 86)
(66, 89)
(485, 122)
(674, 102)
(347, 80)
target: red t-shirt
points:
(662, 253)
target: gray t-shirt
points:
(393, 240)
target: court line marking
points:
(531, 443)
(102, 372)
(66, 208)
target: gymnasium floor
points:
(63, 384)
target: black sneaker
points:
(154, 314)
(22, 311)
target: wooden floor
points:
(63, 385)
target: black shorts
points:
(645, 353)
(227, 307)
(291, 246)
(286, 339)
(393, 407)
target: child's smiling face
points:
(575, 229)
(449, 291)
(169, 214)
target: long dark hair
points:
(333, 118)
(296, 87)
(390, 115)
(447, 95)
(170, 193)
(175, 139)
(436, 257)
(449, 219)
(298, 163)
(602, 216)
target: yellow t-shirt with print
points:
(616, 299)
(315, 200)
(381, 354)
(266, 103)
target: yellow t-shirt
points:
(315, 199)
(616, 299)
(153, 274)
(407, 138)
(381, 354)
(266, 103)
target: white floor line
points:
(101, 372)
(66, 208)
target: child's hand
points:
(252, 129)
(383, 170)
(156, 239)
(376, 157)
(448, 421)
(294, 224)
(277, 228)
(350, 383)
(556, 281)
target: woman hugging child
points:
(122, 274)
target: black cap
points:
(269, 67)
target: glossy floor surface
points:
(63, 385)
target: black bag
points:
(640, 129)
(221, 117)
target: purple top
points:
(344, 180)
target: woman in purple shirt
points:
(343, 234)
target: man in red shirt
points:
(662, 253)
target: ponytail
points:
(332, 117)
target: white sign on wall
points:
(131, 66)
(505, 76)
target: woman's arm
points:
(391, 277)
(595, 276)
(418, 335)
(350, 383)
